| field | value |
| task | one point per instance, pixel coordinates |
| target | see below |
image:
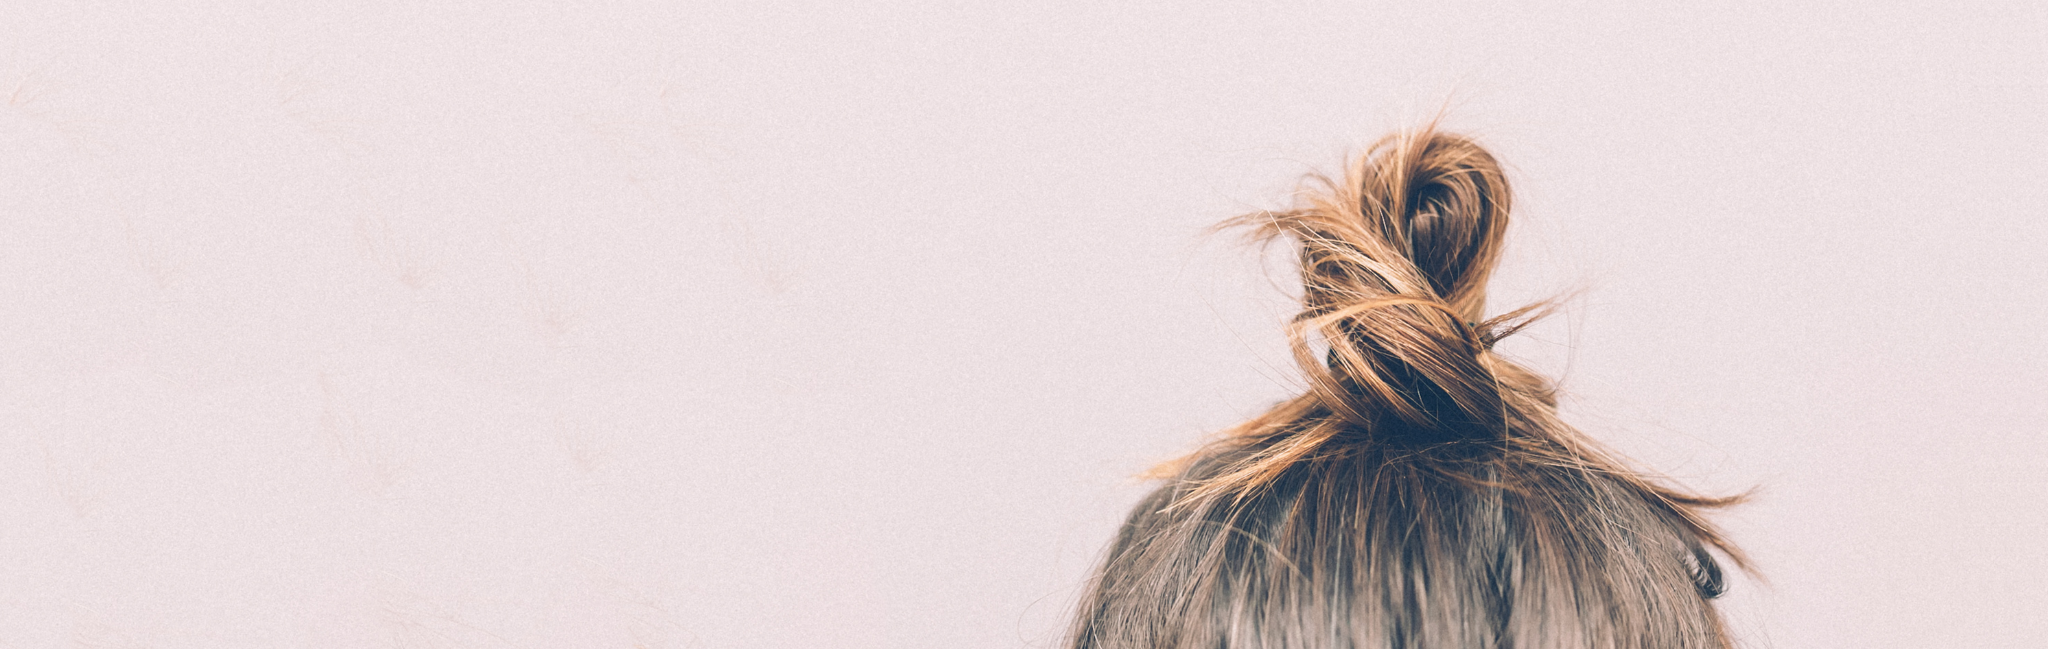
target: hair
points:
(1422, 492)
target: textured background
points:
(617, 324)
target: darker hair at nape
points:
(1422, 492)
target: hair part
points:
(1422, 492)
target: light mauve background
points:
(768, 324)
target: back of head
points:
(1422, 492)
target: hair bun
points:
(1394, 263)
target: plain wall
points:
(766, 324)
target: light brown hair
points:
(1422, 492)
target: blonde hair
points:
(1422, 492)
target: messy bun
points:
(1422, 492)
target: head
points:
(1422, 492)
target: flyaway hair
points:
(1422, 492)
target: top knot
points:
(1394, 263)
